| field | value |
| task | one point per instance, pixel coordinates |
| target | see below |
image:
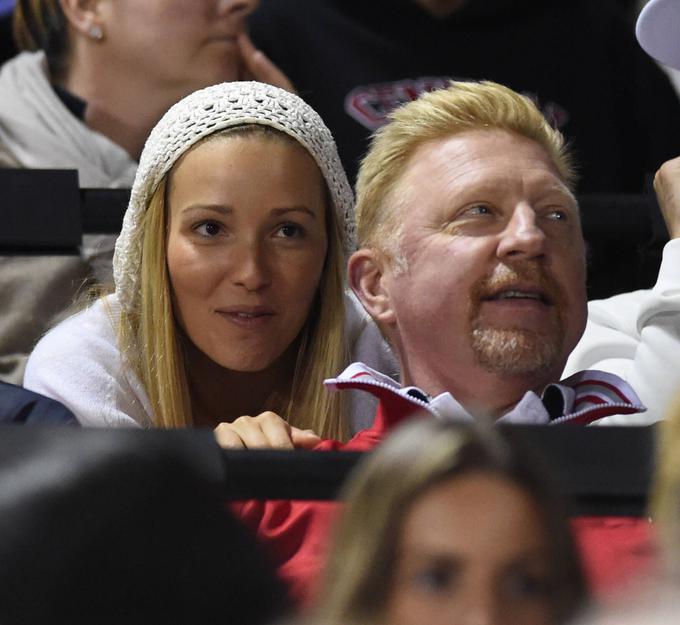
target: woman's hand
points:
(265, 431)
(667, 187)
(258, 66)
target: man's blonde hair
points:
(463, 106)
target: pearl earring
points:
(96, 32)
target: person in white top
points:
(93, 78)
(229, 306)
(637, 335)
(90, 83)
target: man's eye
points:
(558, 215)
(478, 209)
(208, 229)
(290, 231)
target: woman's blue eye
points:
(208, 229)
(290, 231)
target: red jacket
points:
(296, 533)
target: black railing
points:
(45, 212)
(602, 470)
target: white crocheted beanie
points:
(201, 114)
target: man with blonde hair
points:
(472, 261)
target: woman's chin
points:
(245, 363)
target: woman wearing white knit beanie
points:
(229, 275)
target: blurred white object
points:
(658, 32)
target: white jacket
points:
(637, 336)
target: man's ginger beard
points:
(516, 350)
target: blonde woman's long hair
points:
(155, 349)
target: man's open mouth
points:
(519, 294)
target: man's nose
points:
(522, 238)
(249, 266)
(236, 8)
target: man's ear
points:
(84, 16)
(366, 272)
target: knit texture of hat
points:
(201, 114)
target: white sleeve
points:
(78, 363)
(637, 336)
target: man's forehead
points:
(468, 149)
(480, 165)
(478, 157)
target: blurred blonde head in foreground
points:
(444, 525)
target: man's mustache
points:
(519, 276)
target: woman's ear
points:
(83, 15)
(366, 272)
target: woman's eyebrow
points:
(293, 209)
(216, 208)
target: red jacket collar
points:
(581, 399)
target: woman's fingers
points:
(277, 431)
(265, 431)
(304, 439)
(227, 438)
(260, 67)
(250, 431)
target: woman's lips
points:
(247, 317)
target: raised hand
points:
(667, 187)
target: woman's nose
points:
(249, 267)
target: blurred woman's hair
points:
(42, 25)
(385, 487)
